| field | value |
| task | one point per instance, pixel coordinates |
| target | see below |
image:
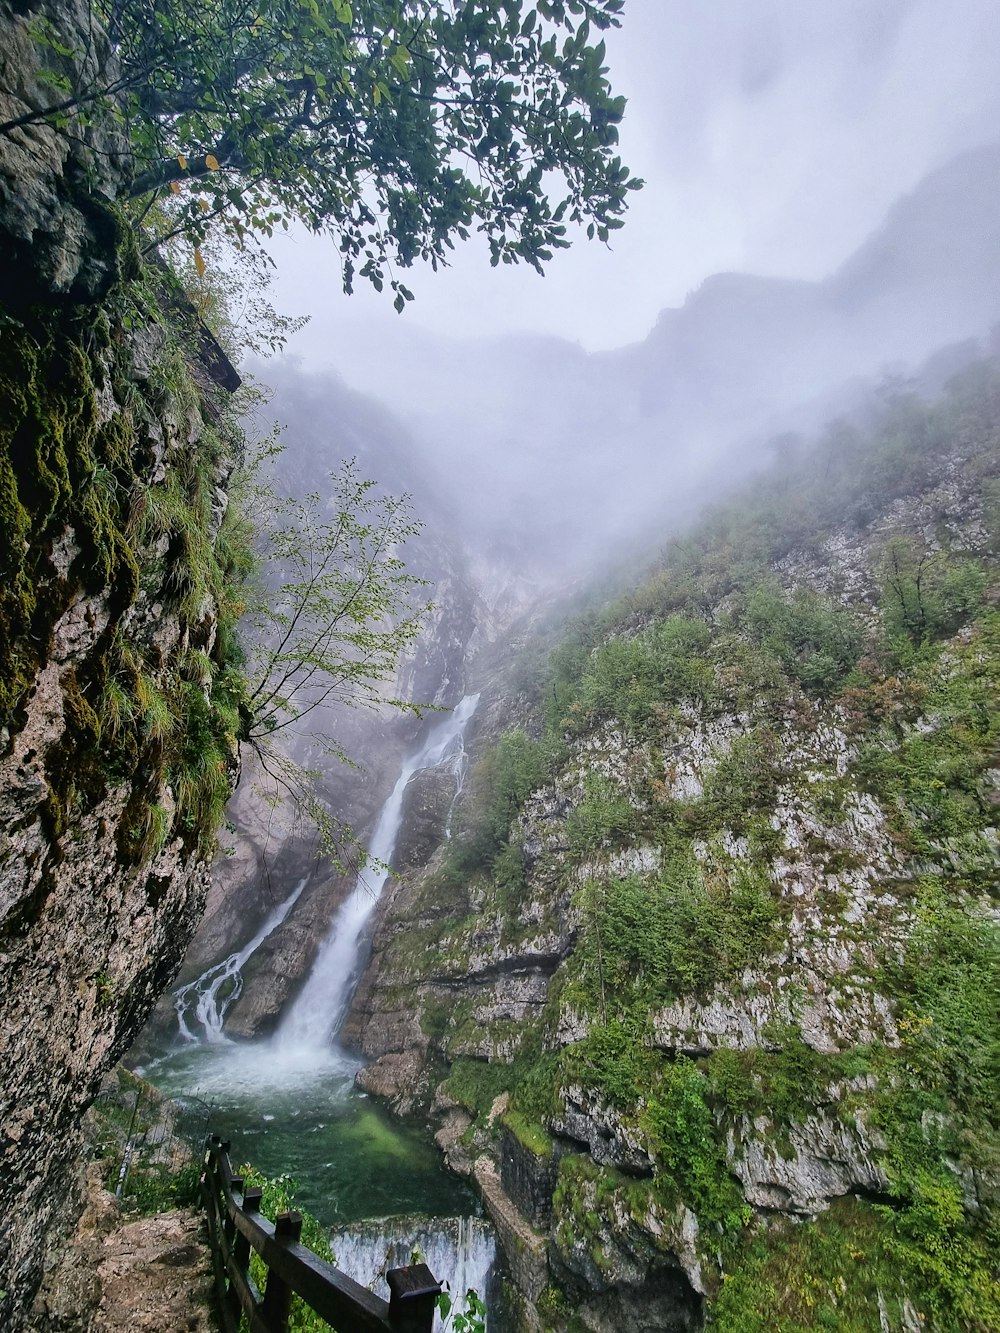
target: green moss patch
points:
(79, 517)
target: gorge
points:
(668, 996)
(660, 982)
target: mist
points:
(821, 210)
(773, 139)
(547, 461)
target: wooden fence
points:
(236, 1227)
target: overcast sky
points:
(773, 136)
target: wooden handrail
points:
(236, 1226)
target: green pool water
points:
(352, 1160)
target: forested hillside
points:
(719, 921)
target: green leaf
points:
(475, 117)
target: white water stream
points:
(459, 1251)
(209, 996)
(315, 1017)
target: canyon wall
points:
(697, 993)
(119, 697)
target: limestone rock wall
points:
(118, 714)
(57, 190)
(478, 981)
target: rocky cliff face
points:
(118, 701)
(697, 992)
(61, 231)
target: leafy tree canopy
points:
(395, 125)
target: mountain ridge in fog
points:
(548, 454)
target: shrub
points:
(647, 941)
(632, 679)
(683, 1139)
(927, 595)
(743, 783)
(278, 1196)
(605, 818)
(817, 642)
(500, 783)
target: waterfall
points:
(459, 1251)
(317, 1013)
(289, 1102)
(209, 995)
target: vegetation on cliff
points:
(763, 780)
(83, 437)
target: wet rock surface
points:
(426, 806)
(57, 189)
(102, 879)
(529, 1178)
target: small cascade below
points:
(202, 1004)
(459, 1251)
(316, 1015)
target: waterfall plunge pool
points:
(377, 1183)
(352, 1159)
(289, 1105)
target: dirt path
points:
(128, 1275)
(156, 1277)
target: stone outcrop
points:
(57, 191)
(427, 803)
(92, 925)
(821, 1159)
(529, 1178)
(623, 1272)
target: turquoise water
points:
(352, 1160)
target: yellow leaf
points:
(211, 162)
(203, 205)
(182, 162)
(199, 262)
(174, 188)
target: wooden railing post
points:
(213, 1207)
(413, 1297)
(229, 1226)
(237, 1230)
(278, 1294)
(239, 1254)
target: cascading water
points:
(316, 1016)
(210, 995)
(459, 1251)
(289, 1103)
